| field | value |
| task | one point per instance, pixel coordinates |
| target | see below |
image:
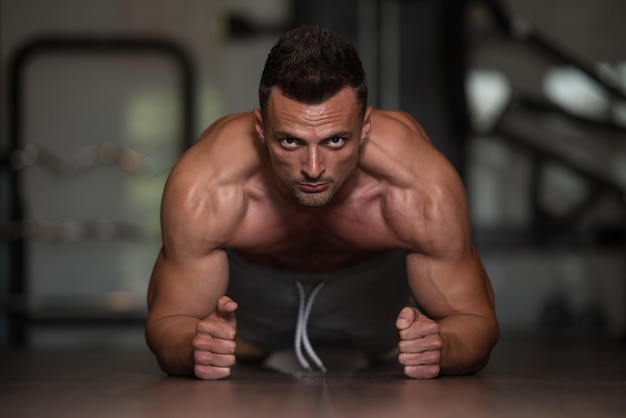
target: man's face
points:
(313, 149)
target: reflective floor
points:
(522, 380)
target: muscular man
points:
(317, 219)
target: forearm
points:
(170, 339)
(467, 343)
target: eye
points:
(336, 142)
(288, 143)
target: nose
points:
(313, 167)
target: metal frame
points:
(17, 313)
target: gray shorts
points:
(357, 305)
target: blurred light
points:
(488, 93)
(575, 91)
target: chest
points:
(319, 240)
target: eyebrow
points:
(284, 134)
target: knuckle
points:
(203, 327)
(230, 347)
(432, 357)
(220, 346)
(230, 360)
(216, 330)
(422, 372)
(404, 334)
(230, 334)
(425, 359)
(207, 358)
(201, 357)
(409, 359)
(211, 373)
(202, 342)
(438, 343)
(403, 359)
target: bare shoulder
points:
(399, 122)
(225, 147)
(398, 148)
(205, 194)
(424, 199)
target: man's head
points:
(314, 115)
(311, 64)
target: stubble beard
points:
(314, 200)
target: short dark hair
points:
(311, 64)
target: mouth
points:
(313, 187)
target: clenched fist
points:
(420, 344)
(214, 344)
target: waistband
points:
(377, 263)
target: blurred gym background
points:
(100, 97)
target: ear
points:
(367, 124)
(258, 125)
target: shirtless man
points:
(315, 219)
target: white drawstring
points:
(302, 336)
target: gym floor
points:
(523, 379)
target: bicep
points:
(191, 271)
